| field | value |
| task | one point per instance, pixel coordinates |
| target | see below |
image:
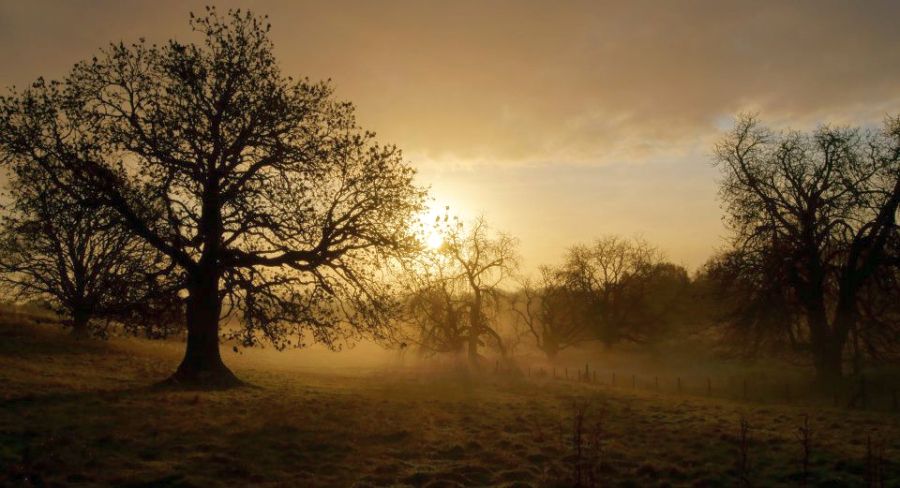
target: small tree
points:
(436, 304)
(485, 262)
(88, 268)
(552, 312)
(814, 218)
(260, 190)
(628, 291)
(456, 288)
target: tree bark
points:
(202, 366)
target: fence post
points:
(614, 378)
(633, 382)
(708, 387)
(656, 380)
(679, 384)
(745, 388)
(567, 373)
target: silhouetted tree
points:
(619, 282)
(456, 291)
(485, 261)
(553, 313)
(663, 294)
(437, 304)
(814, 218)
(877, 334)
(79, 260)
(744, 291)
(260, 189)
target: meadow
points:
(86, 413)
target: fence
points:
(859, 392)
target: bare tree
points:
(614, 290)
(437, 304)
(89, 269)
(814, 218)
(485, 261)
(616, 279)
(260, 189)
(744, 292)
(553, 313)
(456, 290)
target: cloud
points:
(579, 82)
(559, 120)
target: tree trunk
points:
(550, 348)
(829, 361)
(473, 345)
(80, 322)
(826, 342)
(830, 353)
(857, 354)
(202, 365)
(474, 330)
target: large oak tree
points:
(260, 189)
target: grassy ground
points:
(81, 413)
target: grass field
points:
(84, 413)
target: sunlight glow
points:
(433, 240)
(431, 223)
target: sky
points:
(559, 121)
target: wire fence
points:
(863, 392)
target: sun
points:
(431, 223)
(434, 240)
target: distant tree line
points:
(463, 295)
(812, 269)
(615, 290)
